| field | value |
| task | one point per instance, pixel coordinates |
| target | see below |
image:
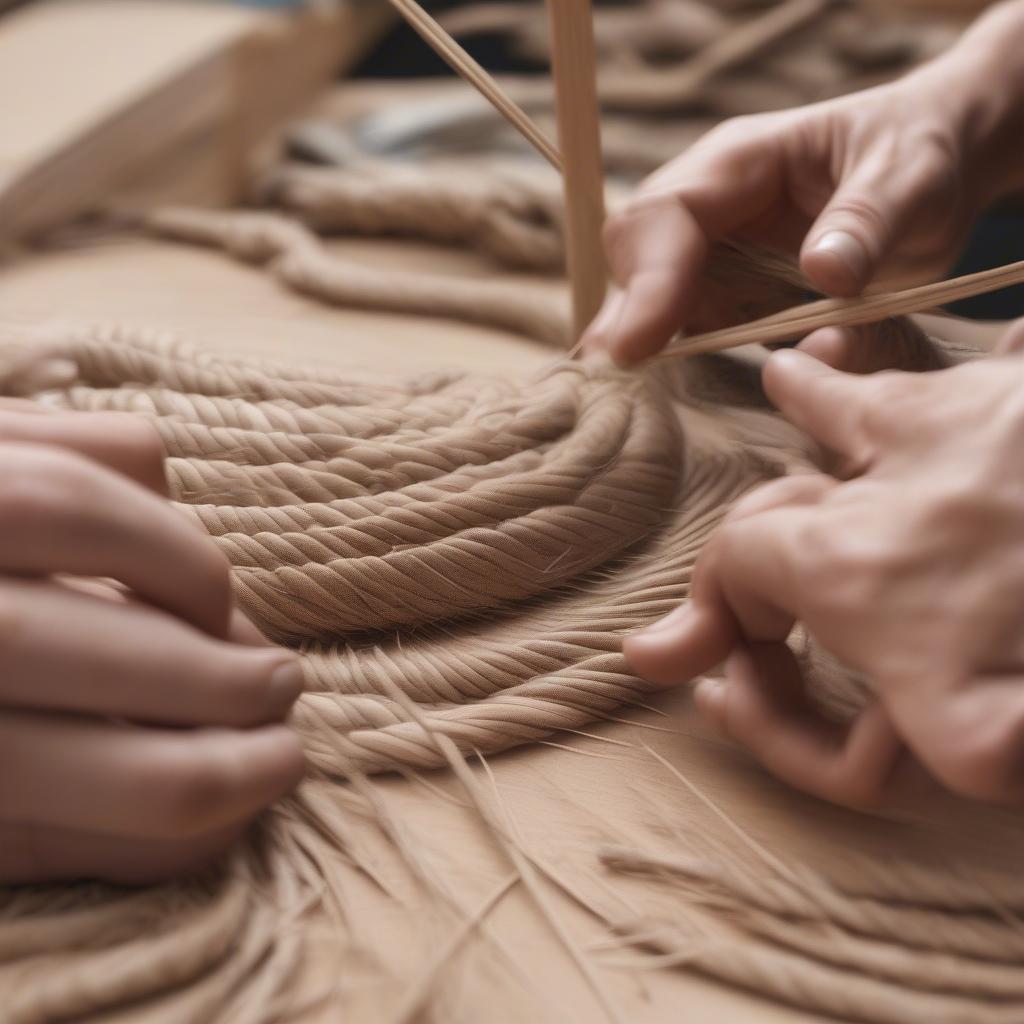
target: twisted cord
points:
(515, 219)
(298, 259)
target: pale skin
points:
(906, 559)
(141, 715)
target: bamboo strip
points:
(801, 320)
(574, 66)
(457, 58)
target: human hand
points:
(139, 728)
(878, 185)
(908, 564)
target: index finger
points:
(743, 590)
(657, 246)
(63, 513)
(747, 595)
(123, 441)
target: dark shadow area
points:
(998, 238)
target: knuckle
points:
(793, 489)
(621, 226)
(727, 537)
(1008, 411)
(216, 569)
(194, 787)
(620, 240)
(849, 571)
(936, 162)
(731, 540)
(762, 496)
(734, 131)
(38, 483)
(617, 224)
(133, 441)
(966, 503)
(862, 210)
(626, 230)
(1012, 340)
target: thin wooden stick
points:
(457, 58)
(801, 320)
(574, 64)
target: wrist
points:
(980, 82)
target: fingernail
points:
(670, 622)
(845, 248)
(286, 682)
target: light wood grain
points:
(107, 98)
(574, 65)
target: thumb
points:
(859, 226)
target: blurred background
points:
(341, 82)
(868, 42)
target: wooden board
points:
(155, 99)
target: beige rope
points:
(515, 218)
(298, 259)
